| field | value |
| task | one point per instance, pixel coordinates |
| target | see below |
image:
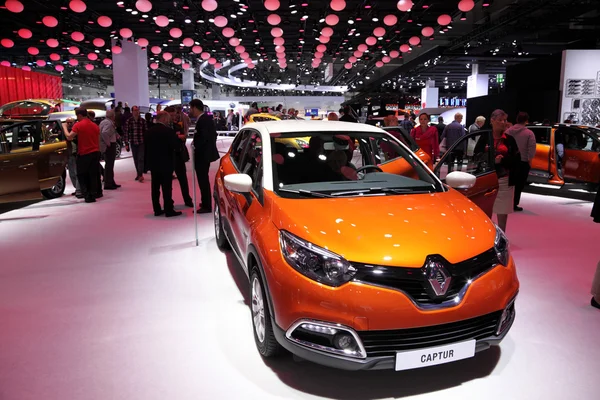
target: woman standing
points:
(426, 136)
(506, 157)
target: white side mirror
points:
(238, 183)
(460, 180)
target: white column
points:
(477, 84)
(188, 79)
(430, 95)
(130, 73)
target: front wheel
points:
(222, 242)
(58, 189)
(261, 318)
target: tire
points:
(262, 326)
(222, 242)
(57, 190)
(118, 150)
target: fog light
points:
(505, 318)
(344, 341)
(327, 337)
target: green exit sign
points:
(500, 78)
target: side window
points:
(575, 139)
(542, 134)
(471, 154)
(403, 137)
(252, 162)
(237, 147)
(386, 150)
(3, 143)
(52, 132)
(21, 137)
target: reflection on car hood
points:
(390, 230)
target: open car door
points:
(473, 154)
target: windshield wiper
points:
(305, 192)
(381, 191)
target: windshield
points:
(342, 164)
(25, 108)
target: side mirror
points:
(238, 183)
(460, 180)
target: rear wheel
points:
(222, 242)
(58, 189)
(261, 318)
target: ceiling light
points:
(134, 12)
(463, 16)
(375, 19)
(129, 9)
(350, 22)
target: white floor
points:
(105, 301)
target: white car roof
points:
(289, 126)
(63, 115)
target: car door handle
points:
(60, 151)
(25, 166)
(491, 193)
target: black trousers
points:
(181, 173)
(521, 180)
(455, 156)
(109, 168)
(202, 169)
(88, 174)
(162, 180)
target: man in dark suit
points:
(162, 144)
(205, 145)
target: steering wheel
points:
(365, 167)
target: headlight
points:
(501, 245)
(315, 262)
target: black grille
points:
(412, 281)
(386, 343)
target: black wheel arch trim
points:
(259, 264)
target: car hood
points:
(394, 230)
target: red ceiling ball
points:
(466, 5)
(50, 21)
(41, 63)
(415, 40)
(54, 57)
(276, 32)
(379, 64)
(33, 51)
(358, 54)
(220, 21)
(77, 36)
(278, 41)
(107, 61)
(197, 49)
(98, 42)
(332, 19)
(390, 20)
(74, 50)
(126, 33)
(185, 65)
(405, 48)
(234, 41)
(352, 59)
(92, 56)
(327, 31)
(143, 5)
(240, 49)
(272, 5)
(156, 50)
(189, 42)
(116, 49)
(371, 41)
(444, 19)
(228, 32)
(244, 55)
(52, 42)
(379, 31)
(324, 39)
(59, 68)
(405, 5)
(272, 19)
(26, 68)
(162, 21)
(177, 61)
(205, 56)
(167, 56)
(73, 62)
(394, 54)
(280, 49)
(427, 31)
(212, 61)
(153, 65)
(77, 6)
(363, 47)
(24, 33)
(89, 67)
(14, 6)
(104, 21)
(322, 48)
(348, 65)
(142, 42)
(209, 5)
(386, 59)
(337, 5)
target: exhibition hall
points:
(299, 199)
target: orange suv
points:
(358, 256)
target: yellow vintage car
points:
(297, 143)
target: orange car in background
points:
(360, 258)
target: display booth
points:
(18, 84)
(580, 85)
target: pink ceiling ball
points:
(272, 5)
(332, 19)
(240, 49)
(466, 5)
(143, 5)
(52, 42)
(212, 61)
(177, 61)
(209, 5)
(324, 39)
(175, 33)
(77, 6)
(89, 67)
(50, 21)
(279, 49)
(327, 31)
(405, 5)
(319, 55)
(153, 65)
(98, 42)
(167, 56)
(234, 42)
(228, 32)
(337, 5)
(143, 42)
(117, 50)
(251, 66)
(358, 54)
(280, 55)
(415, 40)
(218, 66)
(371, 41)
(26, 68)
(156, 50)
(5, 63)
(322, 48)
(185, 65)
(24, 33)
(244, 55)
(73, 62)
(104, 21)
(220, 21)
(394, 54)
(189, 42)
(427, 31)
(278, 41)
(274, 19)
(92, 56)
(363, 47)
(197, 49)
(405, 48)
(379, 32)
(77, 36)
(352, 59)
(276, 32)
(205, 56)
(162, 21)
(41, 63)
(59, 68)
(33, 51)
(54, 57)
(107, 61)
(379, 64)
(444, 19)
(390, 20)
(386, 59)
(74, 50)
(348, 65)
(14, 6)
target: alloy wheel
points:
(217, 222)
(258, 310)
(59, 187)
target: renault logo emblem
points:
(438, 277)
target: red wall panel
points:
(16, 84)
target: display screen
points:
(311, 112)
